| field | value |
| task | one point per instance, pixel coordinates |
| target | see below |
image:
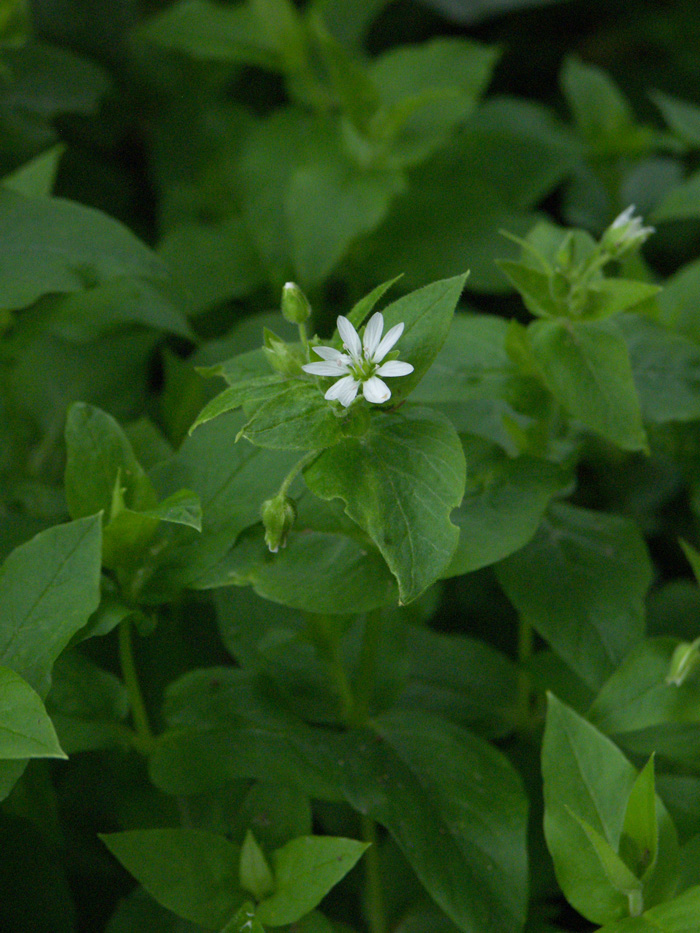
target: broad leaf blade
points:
(400, 483)
(26, 730)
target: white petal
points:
(328, 353)
(344, 390)
(349, 337)
(374, 390)
(373, 334)
(387, 343)
(329, 368)
(394, 368)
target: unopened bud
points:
(683, 661)
(254, 872)
(295, 305)
(625, 233)
(278, 516)
(280, 355)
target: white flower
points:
(362, 364)
(625, 232)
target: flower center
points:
(363, 369)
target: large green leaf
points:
(48, 589)
(666, 370)
(25, 728)
(400, 483)
(595, 613)
(587, 368)
(53, 245)
(454, 806)
(588, 782)
(191, 872)
(505, 500)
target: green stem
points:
(525, 646)
(133, 688)
(304, 337)
(376, 908)
(296, 469)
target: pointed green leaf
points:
(595, 614)
(618, 874)
(250, 390)
(639, 842)
(586, 366)
(297, 418)
(364, 306)
(26, 731)
(534, 287)
(191, 872)
(305, 870)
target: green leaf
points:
(231, 480)
(613, 296)
(254, 872)
(320, 237)
(48, 589)
(442, 80)
(36, 177)
(585, 778)
(353, 575)
(639, 841)
(54, 245)
(505, 500)
(602, 114)
(682, 117)
(593, 799)
(400, 483)
(245, 921)
(305, 870)
(211, 263)
(426, 315)
(679, 915)
(361, 309)
(259, 388)
(26, 731)
(617, 872)
(461, 679)
(681, 202)
(191, 872)
(587, 368)
(646, 713)
(666, 370)
(296, 418)
(88, 705)
(535, 288)
(224, 726)
(98, 455)
(429, 781)
(212, 32)
(595, 614)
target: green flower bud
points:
(683, 661)
(278, 515)
(295, 305)
(280, 355)
(253, 870)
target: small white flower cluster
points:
(361, 364)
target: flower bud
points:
(295, 305)
(280, 355)
(253, 870)
(625, 233)
(278, 516)
(683, 661)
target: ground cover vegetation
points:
(349, 466)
